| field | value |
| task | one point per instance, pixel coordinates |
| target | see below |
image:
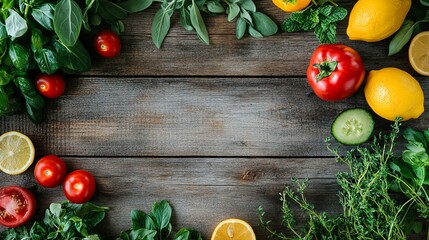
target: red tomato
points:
(335, 72)
(50, 86)
(107, 43)
(79, 186)
(50, 171)
(17, 206)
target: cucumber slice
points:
(353, 126)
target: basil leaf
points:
(160, 26)
(241, 26)
(44, 15)
(3, 32)
(5, 77)
(402, 37)
(143, 234)
(4, 99)
(68, 21)
(34, 102)
(19, 56)
(113, 9)
(198, 23)
(36, 40)
(233, 11)
(136, 5)
(265, 25)
(424, 2)
(73, 59)
(16, 26)
(215, 7)
(47, 60)
(161, 214)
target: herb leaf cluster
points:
(156, 225)
(44, 36)
(243, 12)
(321, 16)
(369, 210)
(62, 221)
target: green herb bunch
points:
(63, 221)
(321, 16)
(243, 12)
(44, 35)
(156, 225)
(369, 210)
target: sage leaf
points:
(233, 11)
(143, 234)
(254, 33)
(3, 32)
(68, 21)
(44, 15)
(47, 60)
(198, 23)
(402, 37)
(133, 6)
(215, 7)
(75, 59)
(160, 26)
(240, 28)
(16, 26)
(265, 25)
(19, 56)
(248, 5)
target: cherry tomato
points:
(17, 206)
(107, 43)
(50, 171)
(50, 86)
(79, 186)
(335, 72)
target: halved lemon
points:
(418, 53)
(16, 153)
(233, 229)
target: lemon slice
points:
(418, 53)
(233, 229)
(16, 152)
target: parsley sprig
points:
(321, 16)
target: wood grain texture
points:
(285, 54)
(202, 191)
(187, 117)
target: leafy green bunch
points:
(320, 16)
(369, 210)
(44, 35)
(62, 221)
(156, 225)
(243, 12)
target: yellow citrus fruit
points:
(375, 20)
(16, 152)
(418, 53)
(392, 92)
(233, 229)
(291, 5)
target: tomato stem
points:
(325, 69)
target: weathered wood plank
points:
(203, 191)
(285, 54)
(188, 117)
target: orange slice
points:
(418, 53)
(16, 153)
(233, 229)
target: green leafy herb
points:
(156, 225)
(62, 221)
(369, 211)
(320, 17)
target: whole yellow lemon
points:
(392, 92)
(375, 20)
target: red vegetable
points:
(50, 86)
(17, 206)
(79, 186)
(335, 72)
(50, 171)
(107, 43)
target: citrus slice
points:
(233, 229)
(16, 153)
(418, 53)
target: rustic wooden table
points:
(216, 130)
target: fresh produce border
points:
(43, 37)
